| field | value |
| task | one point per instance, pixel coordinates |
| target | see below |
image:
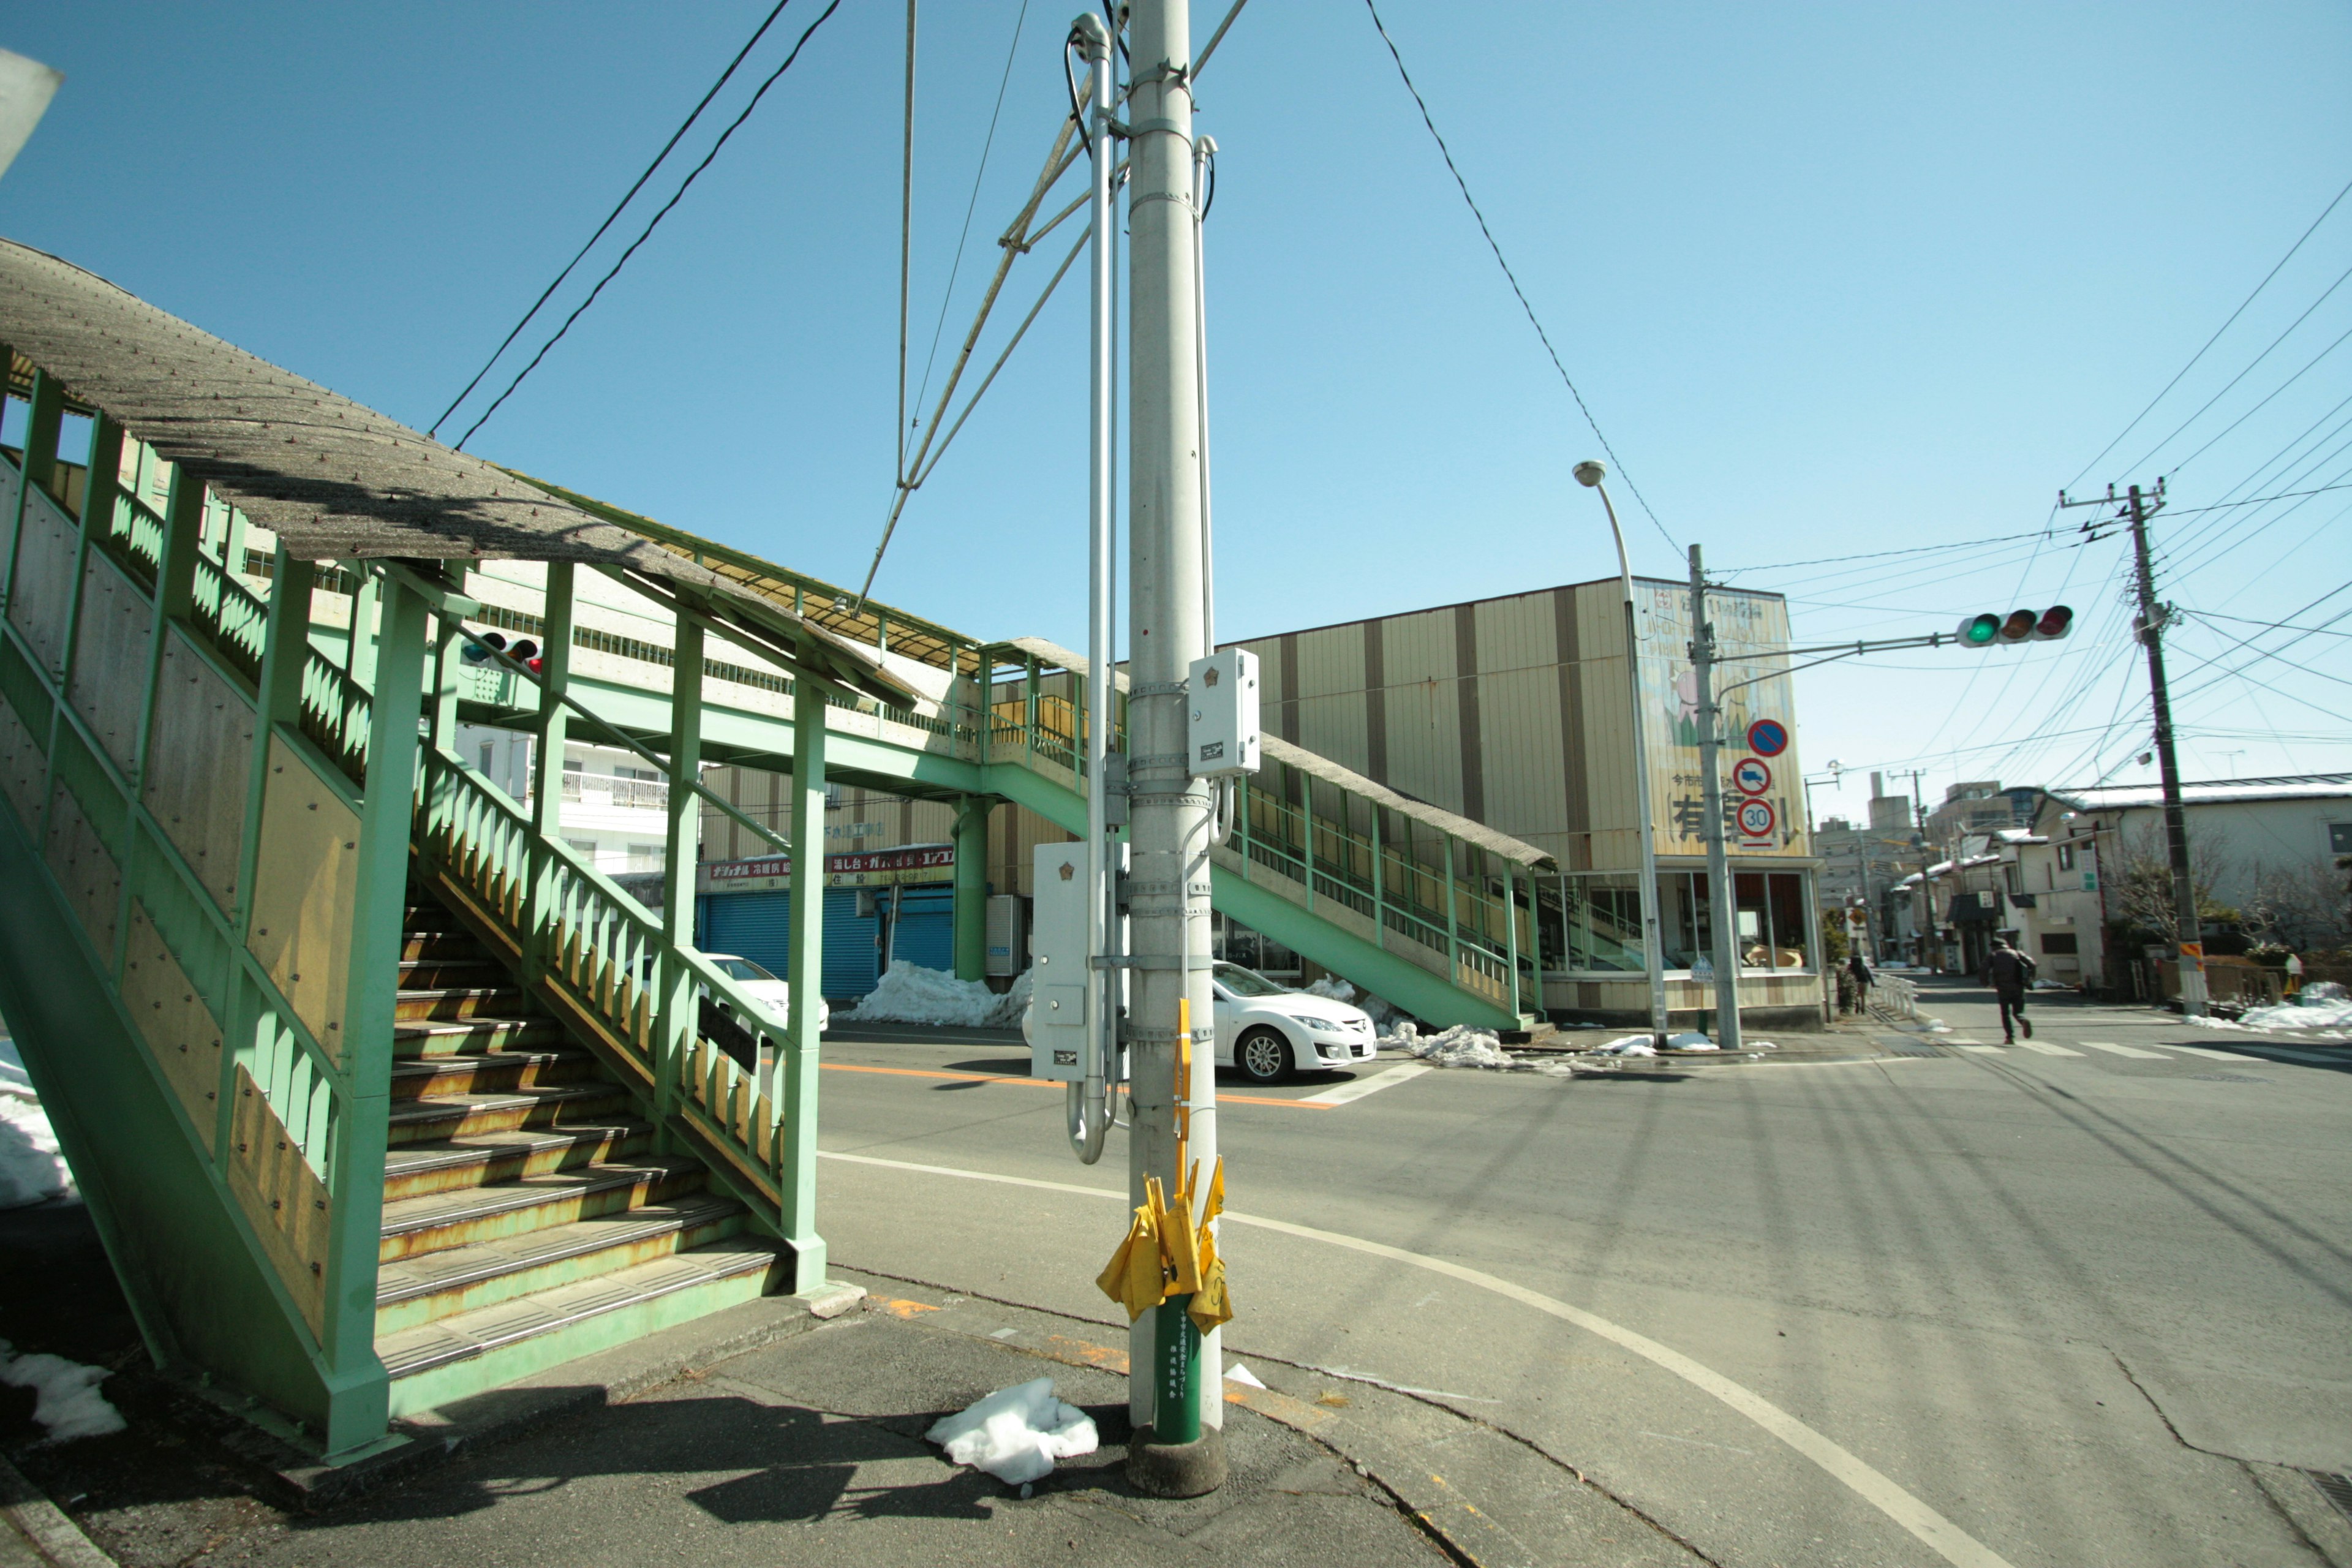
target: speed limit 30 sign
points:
(1756, 818)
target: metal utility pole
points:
(1723, 908)
(2188, 927)
(1591, 473)
(1179, 1447)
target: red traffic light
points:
(2055, 623)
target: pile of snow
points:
(1381, 1012)
(1016, 1434)
(32, 1168)
(2323, 1004)
(909, 994)
(1459, 1046)
(69, 1403)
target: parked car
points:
(765, 988)
(1265, 1031)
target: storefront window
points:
(1591, 923)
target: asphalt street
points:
(2078, 1301)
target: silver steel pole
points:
(1652, 938)
(1168, 833)
(1088, 1107)
(1724, 907)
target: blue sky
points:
(1834, 279)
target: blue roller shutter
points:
(852, 960)
(756, 926)
(925, 928)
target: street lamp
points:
(1590, 475)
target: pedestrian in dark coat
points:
(1861, 972)
(2011, 972)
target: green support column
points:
(441, 700)
(358, 1389)
(972, 887)
(805, 972)
(175, 579)
(1379, 904)
(360, 654)
(678, 1010)
(543, 941)
(1511, 934)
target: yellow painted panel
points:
(110, 647)
(1330, 660)
(177, 1026)
(1425, 741)
(201, 754)
(305, 885)
(92, 881)
(1519, 737)
(43, 590)
(282, 1197)
(1334, 727)
(1418, 647)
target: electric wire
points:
(987, 145)
(2258, 407)
(906, 233)
(609, 217)
(2216, 338)
(1512, 278)
(581, 310)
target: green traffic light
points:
(1978, 631)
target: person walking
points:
(1859, 974)
(2011, 972)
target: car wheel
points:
(1263, 1056)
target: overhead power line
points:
(2216, 338)
(732, 126)
(684, 126)
(1512, 278)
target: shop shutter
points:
(852, 960)
(756, 926)
(926, 929)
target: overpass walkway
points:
(379, 1094)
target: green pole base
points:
(1176, 1469)
(1175, 1457)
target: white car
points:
(764, 988)
(1267, 1032)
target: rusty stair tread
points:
(403, 1215)
(457, 1107)
(452, 992)
(458, 1061)
(434, 1272)
(483, 1148)
(486, 1329)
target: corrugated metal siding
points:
(926, 934)
(1612, 801)
(1330, 694)
(757, 926)
(1518, 714)
(851, 957)
(1424, 729)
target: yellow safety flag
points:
(1210, 1306)
(1165, 1253)
(1135, 1279)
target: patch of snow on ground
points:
(1627, 1046)
(32, 1168)
(909, 994)
(1459, 1046)
(1016, 1434)
(2305, 1012)
(69, 1403)
(1381, 1012)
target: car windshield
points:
(1247, 982)
(741, 969)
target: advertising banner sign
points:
(1751, 629)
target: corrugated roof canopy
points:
(334, 479)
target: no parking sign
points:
(1768, 737)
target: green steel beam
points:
(678, 1025)
(804, 974)
(547, 770)
(1397, 980)
(971, 888)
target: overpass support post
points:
(972, 887)
(680, 993)
(804, 973)
(542, 941)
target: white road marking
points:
(1356, 1089)
(1947, 1540)
(2209, 1053)
(2047, 1049)
(2114, 1049)
(1988, 1050)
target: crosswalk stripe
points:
(1986, 1050)
(1356, 1089)
(2114, 1049)
(2207, 1052)
(2047, 1049)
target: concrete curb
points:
(53, 1538)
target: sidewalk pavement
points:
(765, 1434)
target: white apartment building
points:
(615, 808)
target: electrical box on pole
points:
(1224, 727)
(1060, 1021)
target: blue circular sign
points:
(1768, 737)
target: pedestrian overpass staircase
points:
(378, 1093)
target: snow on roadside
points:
(1016, 1434)
(69, 1404)
(1381, 1012)
(1459, 1046)
(32, 1167)
(909, 994)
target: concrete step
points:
(449, 1164)
(437, 1222)
(461, 1001)
(465, 1115)
(487, 1072)
(412, 1291)
(436, 1362)
(427, 1038)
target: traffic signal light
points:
(2018, 625)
